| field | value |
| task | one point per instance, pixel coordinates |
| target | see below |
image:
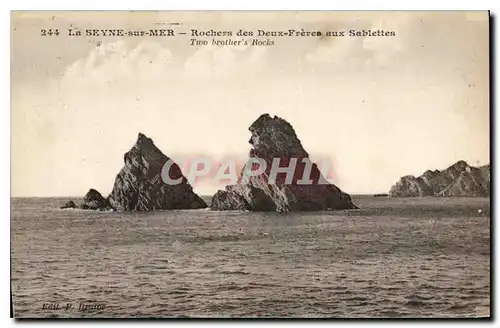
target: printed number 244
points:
(49, 32)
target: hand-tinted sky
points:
(379, 107)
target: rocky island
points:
(273, 137)
(458, 180)
(139, 185)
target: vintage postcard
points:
(250, 164)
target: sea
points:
(394, 257)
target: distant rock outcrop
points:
(458, 180)
(273, 137)
(93, 200)
(69, 204)
(140, 187)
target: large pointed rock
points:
(458, 180)
(273, 137)
(140, 187)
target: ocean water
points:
(425, 257)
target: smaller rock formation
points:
(458, 180)
(69, 204)
(93, 200)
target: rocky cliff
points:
(458, 180)
(273, 137)
(139, 185)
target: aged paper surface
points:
(393, 107)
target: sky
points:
(378, 107)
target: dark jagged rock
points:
(273, 137)
(69, 204)
(458, 180)
(140, 187)
(93, 200)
